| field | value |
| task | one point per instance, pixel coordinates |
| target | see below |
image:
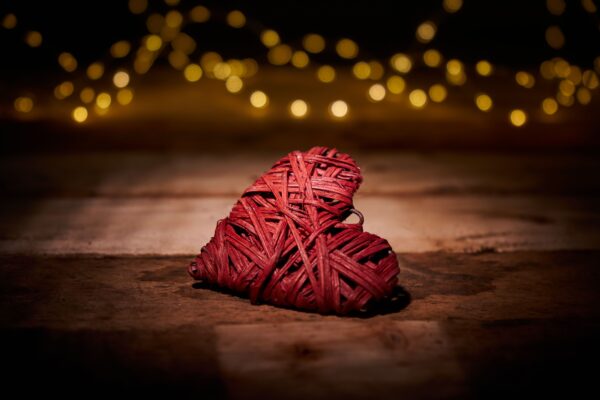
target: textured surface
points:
(89, 306)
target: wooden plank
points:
(171, 226)
(127, 174)
(337, 359)
(479, 325)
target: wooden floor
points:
(499, 296)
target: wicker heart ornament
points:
(285, 241)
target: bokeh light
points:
(121, 79)
(396, 84)
(518, 117)
(401, 63)
(269, 38)
(313, 43)
(376, 92)
(438, 93)
(298, 108)
(338, 109)
(234, 84)
(326, 74)
(432, 58)
(426, 32)
(346, 48)
(192, 73)
(483, 102)
(259, 99)
(80, 114)
(484, 68)
(549, 106)
(236, 19)
(418, 98)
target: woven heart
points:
(285, 241)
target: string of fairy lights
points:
(166, 37)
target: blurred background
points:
(184, 74)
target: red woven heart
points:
(285, 242)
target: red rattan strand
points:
(285, 241)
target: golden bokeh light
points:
(95, 71)
(417, 98)
(589, 79)
(396, 84)
(209, 60)
(555, 7)
(33, 39)
(565, 100)
(455, 72)
(547, 70)
(178, 59)
(280, 54)
(432, 58)
(300, 59)
(361, 70)
(172, 2)
(401, 63)
(199, 14)
(121, 79)
(555, 37)
(483, 102)
(155, 23)
(138, 6)
(452, 6)
(575, 75)
(184, 43)
(9, 21)
(454, 67)
(484, 68)
(517, 117)
(338, 109)
(237, 67)
(80, 114)
(234, 84)
(377, 70)
(120, 49)
(549, 106)
(426, 32)
(313, 43)
(67, 61)
(525, 79)
(250, 67)
(236, 19)
(87, 95)
(562, 68)
(326, 74)
(376, 92)
(259, 99)
(124, 96)
(584, 96)
(346, 48)
(23, 104)
(269, 38)
(192, 73)
(589, 6)
(222, 71)
(103, 100)
(64, 90)
(566, 87)
(437, 93)
(298, 108)
(173, 19)
(153, 42)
